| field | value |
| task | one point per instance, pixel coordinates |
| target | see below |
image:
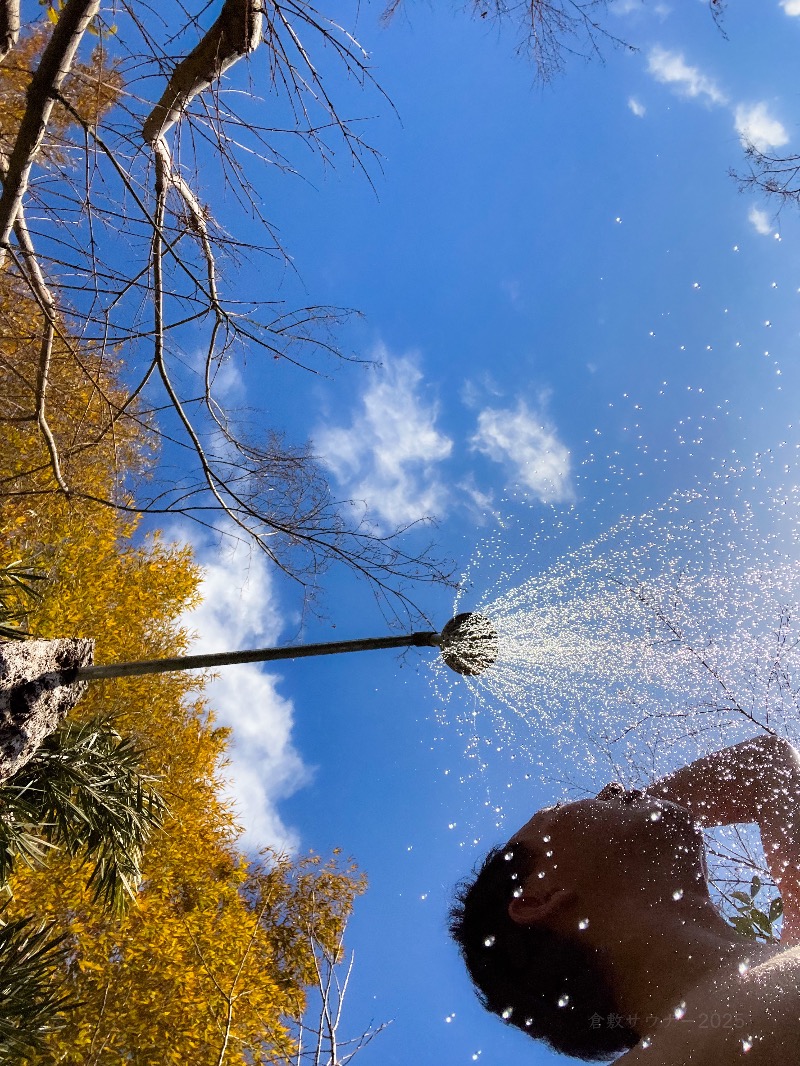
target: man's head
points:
(534, 924)
(547, 984)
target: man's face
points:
(611, 842)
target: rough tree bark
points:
(34, 697)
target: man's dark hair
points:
(548, 985)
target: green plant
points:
(750, 919)
(18, 590)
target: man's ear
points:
(533, 907)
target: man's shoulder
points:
(756, 1013)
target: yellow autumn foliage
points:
(210, 963)
(91, 89)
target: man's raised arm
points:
(755, 781)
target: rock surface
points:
(36, 692)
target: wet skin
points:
(628, 870)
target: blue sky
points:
(572, 313)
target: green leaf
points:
(741, 897)
(755, 886)
(742, 925)
(761, 921)
(775, 909)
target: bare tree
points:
(548, 30)
(319, 1038)
(777, 177)
(121, 268)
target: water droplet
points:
(677, 894)
(540, 874)
(655, 816)
(747, 1043)
(679, 1011)
(518, 892)
(507, 1013)
(744, 966)
(548, 854)
(546, 840)
(583, 923)
(528, 1023)
(489, 941)
(509, 855)
(646, 1042)
(563, 1000)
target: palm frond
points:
(84, 791)
(31, 1004)
(18, 590)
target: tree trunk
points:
(33, 695)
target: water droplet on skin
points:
(507, 1013)
(546, 840)
(646, 1042)
(583, 923)
(747, 1043)
(489, 941)
(679, 1011)
(509, 855)
(655, 816)
(744, 966)
(563, 1001)
(540, 874)
(517, 892)
(548, 854)
(677, 894)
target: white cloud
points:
(481, 504)
(760, 220)
(527, 444)
(240, 610)
(389, 455)
(637, 108)
(757, 127)
(227, 382)
(671, 69)
(791, 7)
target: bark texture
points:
(36, 692)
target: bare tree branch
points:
(235, 34)
(47, 79)
(777, 177)
(9, 26)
